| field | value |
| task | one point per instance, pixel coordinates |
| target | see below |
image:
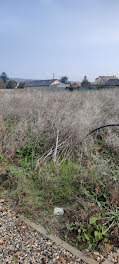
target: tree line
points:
(5, 83)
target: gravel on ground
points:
(20, 243)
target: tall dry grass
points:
(55, 124)
(61, 118)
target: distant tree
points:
(85, 82)
(11, 85)
(64, 79)
(4, 77)
(2, 85)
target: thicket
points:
(46, 161)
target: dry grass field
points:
(46, 114)
(46, 161)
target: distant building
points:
(21, 85)
(76, 84)
(41, 84)
(102, 80)
(59, 87)
(112, 82)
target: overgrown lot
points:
(46, 161)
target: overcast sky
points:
(65, 37)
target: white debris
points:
(58, 211)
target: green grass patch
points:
(85, 190)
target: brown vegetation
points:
(43, 135)
(70, 115)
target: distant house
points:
(102, 80)
(21, 85)
(112, 82)
(41, 84)
(59, 87)
(76, 84)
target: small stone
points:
(96, 253)
(2, 201)
(1, 241)
(78, 259)
(98, 259)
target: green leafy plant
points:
(91, 233)
(1, 158)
